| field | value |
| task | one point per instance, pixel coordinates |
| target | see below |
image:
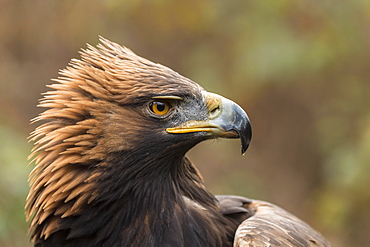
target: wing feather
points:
(263, 224)
(273, 226)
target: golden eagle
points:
(111, 166)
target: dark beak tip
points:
(244, 148)
(245, 138)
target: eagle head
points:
(116, 122)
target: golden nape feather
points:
(111, 166)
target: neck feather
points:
(145, 203)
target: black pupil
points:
(160, 106)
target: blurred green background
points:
(301, 69)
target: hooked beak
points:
(226, 119)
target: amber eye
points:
(160, 107)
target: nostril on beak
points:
(215, 112)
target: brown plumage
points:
(111, 168)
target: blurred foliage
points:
(13, 187)
(299, 68)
